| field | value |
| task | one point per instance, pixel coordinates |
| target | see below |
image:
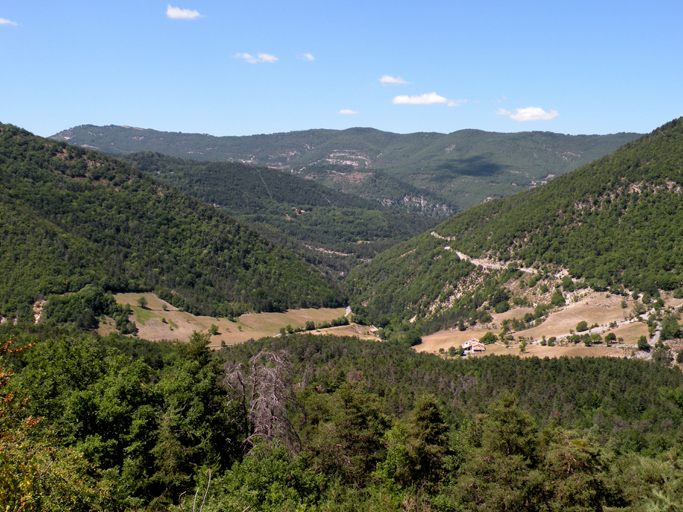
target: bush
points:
(582, 326)
(557, 300)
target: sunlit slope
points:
(617, 222)
(433, 173)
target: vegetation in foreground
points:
(322, 423)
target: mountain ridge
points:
(462, 168)
(73, 217)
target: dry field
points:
(594, 308)
(161, 321)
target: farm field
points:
(159, 320)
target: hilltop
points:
(611, 225)
(71, 217)
(432, 173)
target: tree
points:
(263, 392)
(643, 344)
(142, 302)
(499, 473)
(34, 473)
(670, 328)
(488, 338)
(582, 326)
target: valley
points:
(180, 325)
(430, 173)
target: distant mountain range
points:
(433, 173)
(616, 223)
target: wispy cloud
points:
(392, 80)
(456, 103)
(3, 21)
(426, 99)
(176, 13)
(523, 115)
(347, 112)
(261, 57)
(308, 56)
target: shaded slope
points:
(321, 218)
(71, 217)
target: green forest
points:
(71, 218)
(321, 423)
(294, 211)
(105, 420)
(614, 224)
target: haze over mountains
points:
(431, 173)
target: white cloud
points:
(308, 56)
(392, 80)
(261, 57)
(426, 99)
(528, 114)
(347, 112)
(423, 99)
(176, 13)
(3, 21)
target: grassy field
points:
(161, 321)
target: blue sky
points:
(249, 67)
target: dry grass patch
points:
(159, 320)
(592, 307)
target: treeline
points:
(70, 217)
(317, 423)
(459, 169)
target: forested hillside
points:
(329, 424)
(71, 217)
(615, 223)
(342, 229)
(430, 172)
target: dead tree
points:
(263, 391)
